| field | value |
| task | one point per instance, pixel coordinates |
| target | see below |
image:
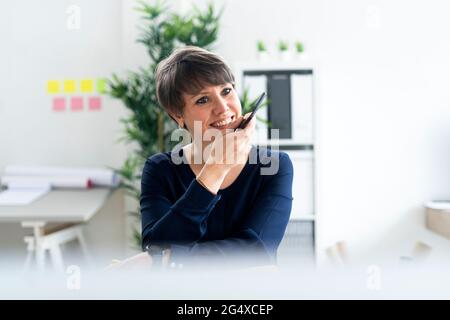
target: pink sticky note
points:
(95, 103)
(59, 104)
(76, 103)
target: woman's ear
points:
(178, 119)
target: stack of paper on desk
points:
(27, 183)
(98, 176)
(22, 196)
(15, 182)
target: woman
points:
(215, 206)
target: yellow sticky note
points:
(87, 85)
(101, 85)
(53, 86)
(69, 86)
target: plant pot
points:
(285, 55)
(301, 56)
(262, 56)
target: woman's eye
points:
(226, 91)
(202, 100)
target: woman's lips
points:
(228, 123)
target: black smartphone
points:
(245, 122)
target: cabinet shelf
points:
(310, 217)
(290, 110)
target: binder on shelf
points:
(290, 105)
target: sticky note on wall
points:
(59, 104)
(69, 86)
(76, 103)
(87, 86)
(95, 103)
(53, 86)
(101, 85)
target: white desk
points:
(58, 206)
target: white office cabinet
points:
(302, 108)
(290, 96)
(303, 184)
(290, 106)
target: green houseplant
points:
(261, 49)
(283, 49)
(147, 126)
(300, 50)
(299, 47)
(283, 46)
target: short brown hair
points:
(188, 70)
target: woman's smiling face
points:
(215, 106)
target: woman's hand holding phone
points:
(231, 150)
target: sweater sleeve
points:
(160, 216)
(258, 238)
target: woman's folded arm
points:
(166, 222)
(260, 234)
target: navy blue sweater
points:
(246, 219)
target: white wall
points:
(36, 47)
(383, 109)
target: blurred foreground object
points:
(338, 253)
(438, 217)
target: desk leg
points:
(57, 260)
(83, 246)
(38, 233)
(30, 253)
(52, 241)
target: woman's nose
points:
(221, 106)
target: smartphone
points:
(245, 122)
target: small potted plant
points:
(299, 50)
(283, 48)
(262, 51)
